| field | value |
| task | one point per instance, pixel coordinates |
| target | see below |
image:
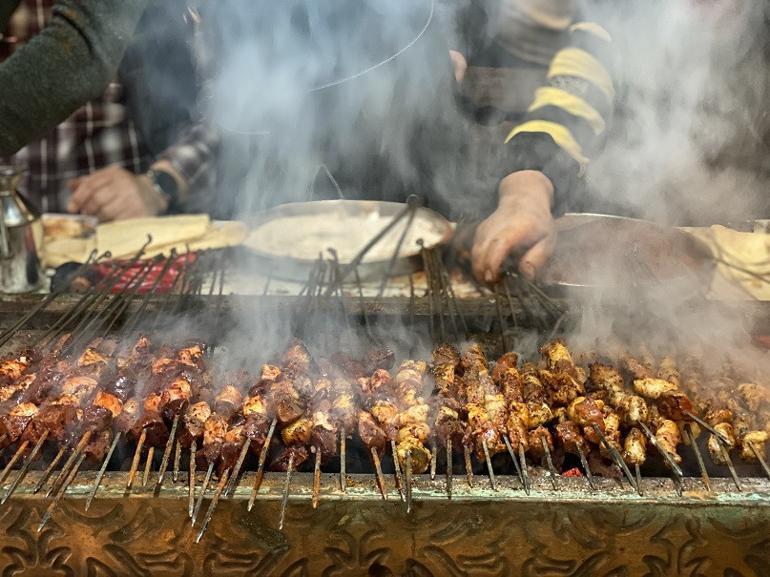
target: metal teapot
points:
(20, 270)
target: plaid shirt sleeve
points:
(194, 153)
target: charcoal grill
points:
(557, 527)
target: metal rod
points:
(524, 469)
(135, 461)
(490, 470)
(501, 321)
(261, 467)
(616, 456)
(677, 470)
(177, 460)
(515, 460)
(468, 465)
(167, 453)
(343, 461)
(408, 482)
(84, 440)
(638, 479)
(378, 471)
(731, 467)
(213, 505)
(358, 259)
(397, 251)
(397, 467)
(584, 462)
(204, 488)
(449, 468)
(102, 470)
(60, 493)
(148, 466)
(15, 459)
(316, 476)
(720, 437)
(761, 458)
(49, 469)
(191, 480)
(549, 461)
(286, 489)
(237, 469)
(433, 458)
(704, 475)
(25, 467)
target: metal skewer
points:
(15, 459)
(516, 464)
(488, 459)
(408, 482)
(213, 505)
(287, 487)
(397, 467)
(720, 437)
(261, 467)
(731, 467)
(524, 469)
(675, 468)
(468, 465)
(316, 476)
(60, 493)
(433, 457)
(177, 460)
(584, 462)
(616, 457)
(704, 475)
(166, 453)
(549, 461)
(378, 471)
(204, 488)
(25, 468)
(343, 461)
(449, 468)
(237, 469)
(191, 480)
(84, 440)
(148, 466)
(135, 461)
(102, 470)
(49, 469)
(761, 458)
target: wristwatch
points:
(166, 186)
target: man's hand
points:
(521, 228)
(114, 193)
(460, 65)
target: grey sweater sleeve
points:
(69, 63)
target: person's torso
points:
(99, 134)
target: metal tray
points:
(298, 269)
(605, 251)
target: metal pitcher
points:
(20, 270)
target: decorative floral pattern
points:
(146, 537)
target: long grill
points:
(137, 469)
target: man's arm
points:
(566, 123)
(69, 63)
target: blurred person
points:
(116, 155)
(535, 73)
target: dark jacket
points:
(66, 65)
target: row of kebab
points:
(172, 399)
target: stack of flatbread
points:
(743, 263)
(124, 238)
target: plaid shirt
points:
(98, 135)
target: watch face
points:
(167, 183)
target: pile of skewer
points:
(305, 410)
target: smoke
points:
(688, 145)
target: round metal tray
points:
(606, 251)
(298, 269)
